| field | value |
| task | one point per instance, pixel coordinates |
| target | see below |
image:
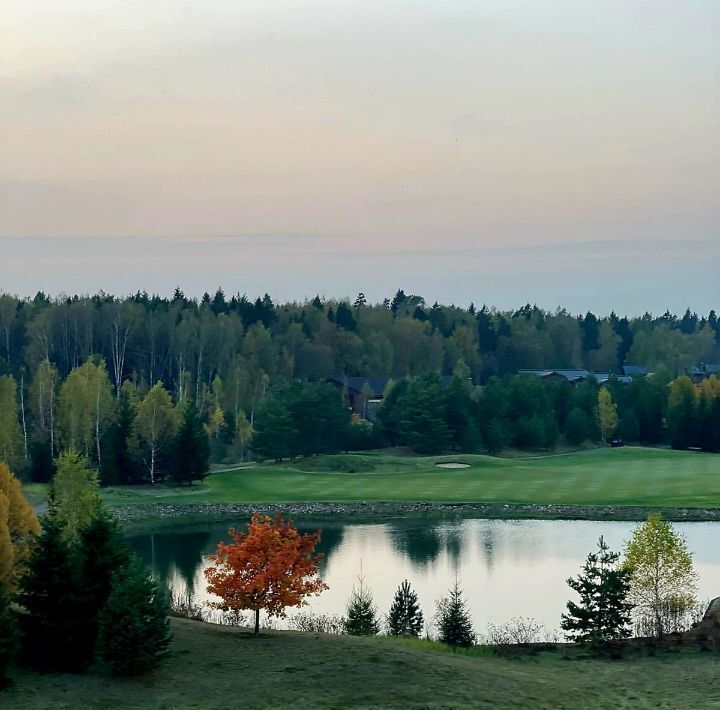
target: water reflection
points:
(419, 543)
(507, 568)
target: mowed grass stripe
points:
(630, 476)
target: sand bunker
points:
(453, 464)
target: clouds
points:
(458, 124)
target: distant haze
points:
(500, 151)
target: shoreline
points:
(159, 515)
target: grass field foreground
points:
(631, 476)
(220, 667)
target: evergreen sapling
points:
(405, 617)
(453, 619)
(361, 616)
(603, 613)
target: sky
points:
(563, 152)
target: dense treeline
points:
(139, 384)
(188, 344)
(524, 412)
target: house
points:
(603, 377)
(364, 395)
(635, 370)
(575, 376)
(702, 372)
(572, 376)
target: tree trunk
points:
(22, 409)
(52, 417)
(152, 465)
(97, 428)
(257, 621)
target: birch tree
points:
(663, 580)
(86, 409)
(43, 400)
(606, 413)
(154, 427)
(120, 326)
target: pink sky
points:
(438, 141)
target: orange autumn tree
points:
(270, 567)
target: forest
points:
(130, 381)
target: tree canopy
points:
(268, 568)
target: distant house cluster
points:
(364, 394)
(697, 374)
(576, 376)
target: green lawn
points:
(217, 667)
(631, 476)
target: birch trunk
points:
(22, 410)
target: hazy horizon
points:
(562, 153)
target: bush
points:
(318, 623)
(185, 607)
(517, 631)
(675, 618)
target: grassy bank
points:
(218, 667)
(631, 476)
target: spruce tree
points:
(102, 554)
(603, 613)
(405, 617)
(134, 631)
(453, 619)
(9, 635)
(192, 450)
(57, 626)
(361, 617)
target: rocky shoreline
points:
(136, 514)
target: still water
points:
(506, 568)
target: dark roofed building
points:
(575, 376)
(572, 376)
(365, 394)
(701, 373)
(635, 370)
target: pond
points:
(506, 568)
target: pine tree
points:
(134, 632)
(275, 430)
(405, 617)
(57, 627)
(9, 635)
(192, 451)
(453, 619)
(603, 613)
(344, 317)
(422, 425)
(361, 616)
